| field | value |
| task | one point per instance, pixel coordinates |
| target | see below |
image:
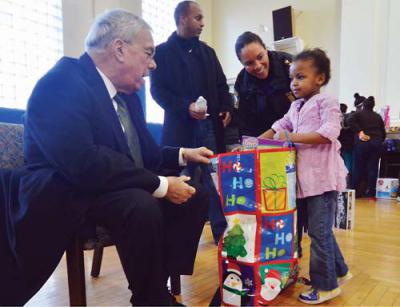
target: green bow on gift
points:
(274, 183)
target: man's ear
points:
(182, 20)
(118, 49)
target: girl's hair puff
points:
(320, 61)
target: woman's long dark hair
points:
(245, 39)
(369, 103)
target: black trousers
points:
(11, 282)
(366, 159)
(34, 233)
(154, 238)
(302, 223)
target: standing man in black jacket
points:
(188, 69)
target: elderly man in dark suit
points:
(90, 156)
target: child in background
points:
(314, 120)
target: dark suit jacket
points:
(75, 151)
(172, 89)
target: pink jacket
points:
(320, 168)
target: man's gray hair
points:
(113, 24)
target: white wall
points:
(77, 18)
(207, 8)
(391, 80)
(362, 46)
(370, 52)
(360, 36)
(78, 15)
(316, 22)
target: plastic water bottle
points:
(201, 104)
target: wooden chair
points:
(11, 156)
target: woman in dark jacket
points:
(370, 134)
(262, 86)
(263, 89)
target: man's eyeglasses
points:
(149, 52)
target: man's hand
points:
(178, 190)
(226, 118)
(363, 137)
(194, 113)
(200, 154)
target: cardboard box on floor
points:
(387, 188)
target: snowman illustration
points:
(233, 292)
(272, 285)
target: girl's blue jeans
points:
(326, 260)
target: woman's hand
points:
(237, 148)
(226, 118)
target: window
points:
(32, 41)
(160, 15)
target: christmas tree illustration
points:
(234, 242)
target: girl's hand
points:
(280, 136)
(269, 134)
(304, 138)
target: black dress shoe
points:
(370, 193)
(300, 252)
(359, 195)
(167, 300)
(173, 301)
(216, 300)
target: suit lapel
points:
(102, 97)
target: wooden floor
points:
(372, 251)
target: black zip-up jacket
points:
(370, 122)
(173, 88)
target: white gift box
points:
(387, 188)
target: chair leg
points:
(176, 284)
(76, 273)
(97, 259)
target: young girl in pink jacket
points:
(313, 120)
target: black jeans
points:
(366, 157)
